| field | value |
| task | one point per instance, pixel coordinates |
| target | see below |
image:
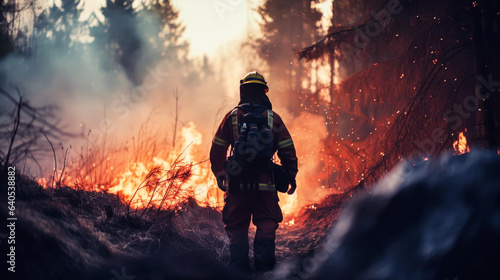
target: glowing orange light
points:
(199, 185)
(460, 146)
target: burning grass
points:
(147, 172)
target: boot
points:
(263, 250)
(238, 254)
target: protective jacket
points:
(227, 133)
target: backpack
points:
(252, 150)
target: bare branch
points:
(55, 158)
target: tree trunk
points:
(484, 38)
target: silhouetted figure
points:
(254, 132)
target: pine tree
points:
(161, 28)
(288, 25)
(5, 40)
(14, 22)
(117, 37)
(140, 38)
(59, 26)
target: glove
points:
(293, 182)
(221, 179)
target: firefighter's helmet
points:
(254, 78)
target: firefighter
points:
(261, 204)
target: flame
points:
(118, 174)
(42, 182)
(288, 203)
(200, 184)
(460, 146)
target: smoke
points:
(105, 97)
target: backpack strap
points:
(270, 118)
(234, 121)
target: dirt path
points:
(304, 237)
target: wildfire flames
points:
(185, 172)
(460, 146)
(198, 183)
